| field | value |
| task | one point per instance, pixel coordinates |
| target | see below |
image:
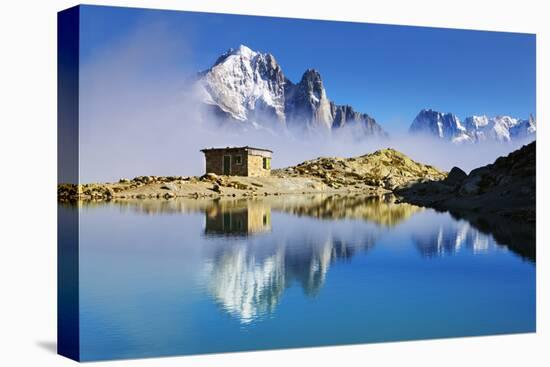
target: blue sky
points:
(389, 72)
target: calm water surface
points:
(202, 276)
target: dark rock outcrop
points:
(506, 187)
(456, 176)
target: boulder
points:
(456, 176)
(169, 186)
(209, 177)
(239, 186)
(142, 179)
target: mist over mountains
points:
(473, 129)
(156, 124)
(249, 89)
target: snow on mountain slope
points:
(474, 129)
(246, 85)
(442, 125)
(524, 128)
(250, 87)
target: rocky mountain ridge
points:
(250, 88)
(474, 129)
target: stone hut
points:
(238, 161)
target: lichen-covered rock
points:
(209, 177)
(386, 168)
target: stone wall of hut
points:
(256, 166)
(214, 162)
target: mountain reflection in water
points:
(188, 276)
(450, 239)
(247, 272)
(248, 280)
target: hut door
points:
(226, 164)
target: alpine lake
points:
(190, 276)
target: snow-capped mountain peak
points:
(476, 122)
(443, 125)
(241, 51)
(250, 87)
(477, 128)
(245, 51)
(245, 85)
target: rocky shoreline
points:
(506, 188)
(206, 186)
(499, 198)
(373, 174)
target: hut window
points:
(267, 163)
(237, 159)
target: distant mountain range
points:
(249, 88)
(473, 129)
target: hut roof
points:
(235, 148)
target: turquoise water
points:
(162, 278)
